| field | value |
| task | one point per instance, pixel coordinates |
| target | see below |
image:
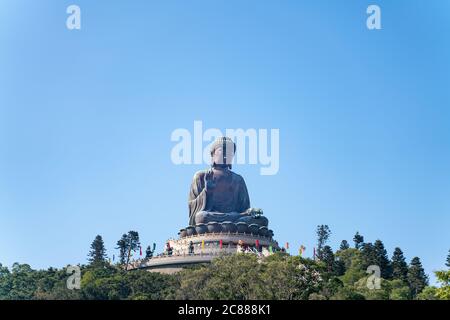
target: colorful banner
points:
(301, 250)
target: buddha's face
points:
(223, 155)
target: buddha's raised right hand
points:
(209, 181)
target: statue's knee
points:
(264, 221)
(200, 217)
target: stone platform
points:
(231, 243)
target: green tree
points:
(358, 240)
(232, 277)
(348, 293)
(5, 282)
(428, 293)
(399, 290)
(245, 276)
(112, 283)
(133, 244)
(127, 244)
(417, 278)
(368, 255)
(382, 293)
(22, 282)
(399, 265)
(97, 255)
(328, 258)
(323, 234)
(348, 256)
(352, 259)
(144, 285)
(105, 283)
(443, 277)
(343, 259)
(382, 259)
(330, 288)
(52, 285)
(344, 245)
(122, 245)
(339, 267)
(290, 277)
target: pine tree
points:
(368, 255)
(382, 259)
(399, 265)
(448, 259)
(359, 240)
(339, 267)
(323, 233)
(417, 278)
(122, 245)
(133, 243)
(344, 245)
(328, 257)
(127, 244)
(97, 255)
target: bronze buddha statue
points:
(218, 194)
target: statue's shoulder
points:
(200, 174)
(237, 176)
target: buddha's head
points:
(222, 152)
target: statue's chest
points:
(224, 190)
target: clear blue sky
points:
(86, 118)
